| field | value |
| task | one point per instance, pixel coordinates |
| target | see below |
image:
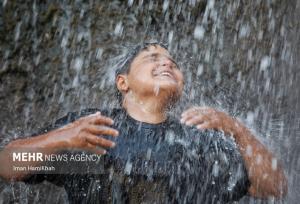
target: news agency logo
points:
(28, 156)
(40, 157)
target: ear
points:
(122, 83)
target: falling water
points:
(238, 56)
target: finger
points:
(203, 109)
(95, 149)
(99, 141)
(206, 110)
(102, 130)
(90, 117)
(189, 116)
(190, 110)
(94, 114)
(204, 126)
(101, 120)
(97, 118)
(195, 120)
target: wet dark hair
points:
(125, 64)
(133, 53)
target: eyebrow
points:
(157, 54)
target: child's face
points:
(154, 71)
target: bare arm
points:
(265, 173)
(81, 134)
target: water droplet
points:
(156, 89)
(17, 31)
(258, 159)
(265, 63)
(207, 56)
(215, 170)
(250, 117)
(165, 5)
(118, 29)
(249, 150)
(211, 4)
(75, 81)
(199, 32)
(170, 137)
(274, 164)
(200, 70)
(130, 2)
(170, 37)
(78, 64)
(250, 55)
(260, 35)
(244, 31)
(99, 53)
(64, 42)
(128, 167)
(4, 3)
(148, 155)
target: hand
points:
(208, 118)
(85, 132)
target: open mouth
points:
(164, 73)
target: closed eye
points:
(155, 57)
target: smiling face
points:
(153, 72)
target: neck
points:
(149, 110)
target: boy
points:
(151, 157)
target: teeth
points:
(166, 74)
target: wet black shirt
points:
(157, 163)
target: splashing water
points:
(241, 57)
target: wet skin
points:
(152, 84)
(144, 103)
(152, 70)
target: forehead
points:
(152, 49)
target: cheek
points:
(141, 76)
(142, 72)
(179, 76)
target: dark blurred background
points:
(239, 56)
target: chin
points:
(167, 84)
(169, 92)
(169, 89)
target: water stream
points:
(238, 56)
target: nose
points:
(166, 62)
